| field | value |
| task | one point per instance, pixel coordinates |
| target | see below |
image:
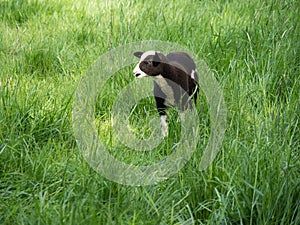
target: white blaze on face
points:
(137, 71)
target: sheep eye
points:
(148, 62)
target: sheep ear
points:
(138, 54)
(159, 57)
(156, 59)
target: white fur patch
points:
(164, 125)
(193, 73)
(138, 72)
(166, 89)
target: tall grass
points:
(251, 46)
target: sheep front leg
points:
(161, 108)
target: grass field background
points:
(251, 46)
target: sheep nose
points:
(137, 74)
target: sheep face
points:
(150, 64)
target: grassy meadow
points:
(252, 47)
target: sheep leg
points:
(161, 108)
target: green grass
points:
(251, 46)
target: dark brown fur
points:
(175, 67)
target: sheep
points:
(175, 80)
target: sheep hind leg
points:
(164, 125)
